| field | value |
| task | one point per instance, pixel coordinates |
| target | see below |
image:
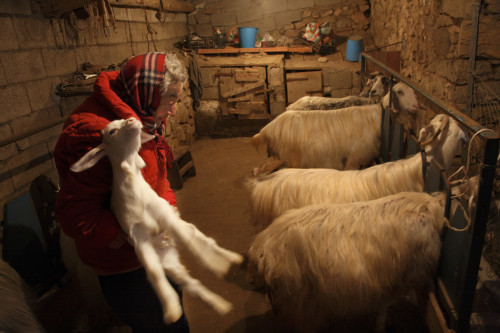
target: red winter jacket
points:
(82, 206)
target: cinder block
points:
(223, 19)
(8, 39)
(15, 102)
(23, 66)
(273, 6)
(248, 14)
(298, 4)
(39, 93)
(33, 32)
(59, 61)
(5, 133)
(288, 16)
(337, 79)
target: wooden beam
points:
(170, 6)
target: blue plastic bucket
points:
(247, 36)
(354, 48)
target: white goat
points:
(275, 193)
(341, 139)
(152, 224)
(326, 262)
(377, 86)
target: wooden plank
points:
(254, 106)
(298, 84)
(239, 99)
(243, 89)
(276, 49)
(246, 75)
(434, 317)
(275, 60)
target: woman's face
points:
(168, 104)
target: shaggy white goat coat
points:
(377, 86)
(343, 139)
(323, 262)
(152, 224)
(275, 193)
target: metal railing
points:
(457, 296)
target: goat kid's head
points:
(121, 139)
(442, 139)
(403, 99)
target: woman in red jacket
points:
(147, 88)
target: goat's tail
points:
(258, 140)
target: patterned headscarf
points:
(141, 79)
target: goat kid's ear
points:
(426, 133)
(89, 159)
(145, 137)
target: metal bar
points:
(31, 132)
(486, 180)
(468, 122)
(472, 57)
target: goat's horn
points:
(435, 136)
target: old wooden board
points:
(299, 84)
(241, 60)
(276, 49)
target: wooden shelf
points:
(276, 49)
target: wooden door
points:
(242, 93)
(299, 84)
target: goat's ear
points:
(426, 133)
(145, 137)
(89, 160)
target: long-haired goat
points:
(16, 313)
(153, 225)
(285, 189)
(341, 139)
(326, 262)
(377, 87)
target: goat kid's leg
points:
(149, 257)
(176, 271)
(214, 257)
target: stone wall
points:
(279, 18)
(37, 54)
(434, 40)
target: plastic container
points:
(354, 48)
(247, 36)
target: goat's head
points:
(377, 84)
(121, 139)
(403, 99)
(442, 139)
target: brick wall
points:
(37, 54)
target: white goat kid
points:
(273, 194)
(152, 224)
(343, 139)
(377, 87)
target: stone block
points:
(6, 190)
(265, 24)
(299, 4)
(275, 75)
(204, 30)
(5, 133)
(211, 92)
(340, 92)
(138, 32)
(20, 7)
(23, 66)
(236, 5)
(286, 17)
(121, 14)
(23, 158)
(8, 39)
(15, 102)
(273, 6)
(209, 76)
(59, 61)
(39, 93)
(248, 14)
(29, 174)
(40, 137)
(224, 19)
(33, 32)
(337, 79)
(68, 104)
(119, 34)
(35, 119)
(276, 108)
